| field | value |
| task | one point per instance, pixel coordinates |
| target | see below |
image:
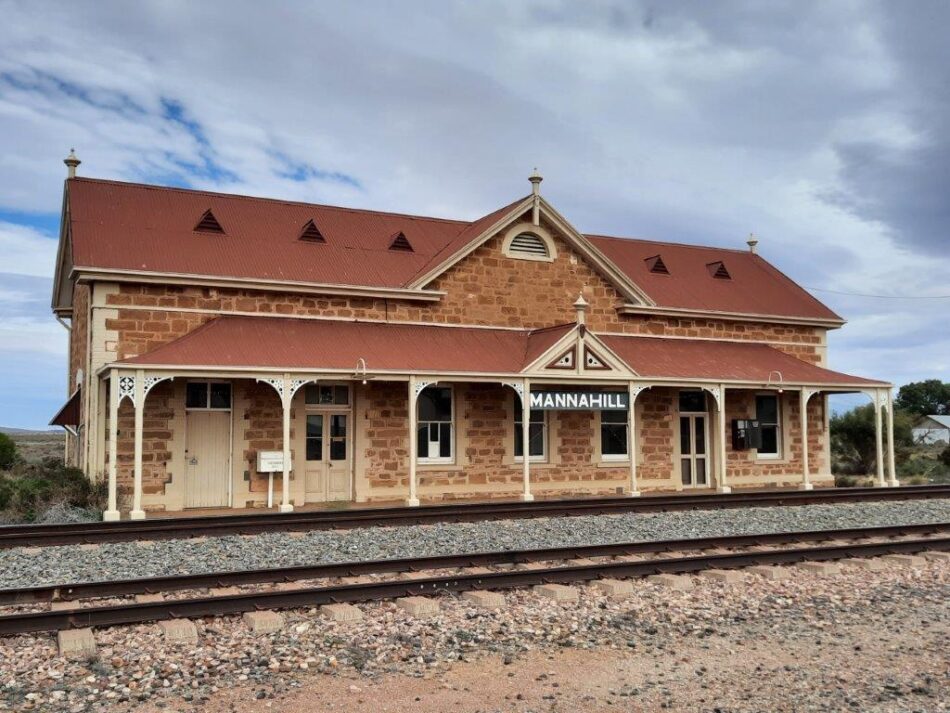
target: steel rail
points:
(246, 524)
(374, 591)
(151, 585)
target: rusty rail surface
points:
(313, 596)
(151, 585)
(248, 524)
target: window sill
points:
(613, 463)
(431, 466)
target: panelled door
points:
(694, 439)
(207, 458)
(328, 456)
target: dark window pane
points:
(613, 439)
(311, 394)
(769, 440)
(445, 441)
(314, 449)
(338, 426)
(693, 401)
(196, 394)
(700, 471)
(326, 394)
(766, 409)
(422, 441)
(519, 441)
(700, 435)
(435, 404)
(341, 395)
(685, 446)
(314, 426)
(686, 470)
(536, 439)
(338, 449)
(220, 395)
(613, 416)
(536, 415)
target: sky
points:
(822, 127)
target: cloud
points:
(26, 251)
(823, 127)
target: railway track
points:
(769, 549)
(249, 524)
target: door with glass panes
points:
(328, 449)
(694, 439)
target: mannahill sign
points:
(579, 401)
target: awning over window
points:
(68, 415)
(250, 343)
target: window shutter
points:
(528, 244)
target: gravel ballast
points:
(858, 640)
(66, 564)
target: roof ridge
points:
(693, 246)
(283, 201)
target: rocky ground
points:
(858, 640)
(59, 565)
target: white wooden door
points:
(694, 457)
(338, 456)
(207, 459)
(328, 457)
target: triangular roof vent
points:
(209, 224)
(718, 270)
(400, 242)
(311, 233)
(656, 264)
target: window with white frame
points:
(537, 434)
(434, 434)
(613, 435)
(768, 414)
(327, 395)
(208, 395)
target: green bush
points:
(8, 455)
(35, 488)
(945, 456)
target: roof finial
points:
(580, 304)
(71, 162)
(752, 242)
(535, 179)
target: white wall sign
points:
(580, 401)
(270, 461)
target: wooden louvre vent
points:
(655, 264)
(401, 242)
(209, 224)
(528, 244)
(311, 234)
(718, 270)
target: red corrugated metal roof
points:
(69, 414)
(239, 342)
(659, 358)
(754, 286)
(134, 227)
(234, 342)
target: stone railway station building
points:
(237, 352)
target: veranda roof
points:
(241, 342)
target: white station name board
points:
(270, 461)
(580, 401)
